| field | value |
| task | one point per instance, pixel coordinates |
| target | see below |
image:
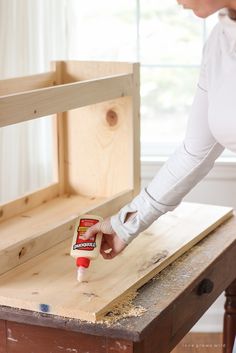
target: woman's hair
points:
(232, 14)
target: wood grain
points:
(159, 296)
(36, 230)
(16, 108)
(100, 162)
(27, 202)
(50, 277)
(29, 338)
(27, 83)
(102, 147)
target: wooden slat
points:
(40, 280)
(27, 83)
(42, 102)
(74, 70)
(27, 202)
(60, 134)
(136, 129)
(36, 230)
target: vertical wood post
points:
(60, 134)
(229, 333)
(136, 127)
(3, 339)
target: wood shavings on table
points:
(123, 309)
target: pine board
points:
(50, 277)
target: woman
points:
(211, 128)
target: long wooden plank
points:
(27, 83)
(29, 201)
(48, 281)
(42, 102)
(37, 229)
(87, 70)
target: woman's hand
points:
(111, 245)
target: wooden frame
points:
(97, 120)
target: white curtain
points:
(32, 34)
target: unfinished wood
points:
(36, 230)
(100, 162)
(40, 280)
(16, 108)
(88, 70)
(159, 296)
(60, 134)
(27, 202)
(109, 141)
(105, 159)
(136, 130)
(27, 83)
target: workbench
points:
(174, 301)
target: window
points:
(166, 40)
(32, 35)
(28, 154)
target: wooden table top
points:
(168, 298)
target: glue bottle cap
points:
(82, 261)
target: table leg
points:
(3, 339)
(229, 332)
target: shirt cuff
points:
(147, 212)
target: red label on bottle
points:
(82, 244)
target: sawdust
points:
(123, 309)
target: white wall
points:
(219, 188)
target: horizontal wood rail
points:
(27, 83)
(16, 108)
(28, 201)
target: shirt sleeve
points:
(189, 164)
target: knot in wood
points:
(22, 252)
(111, 117)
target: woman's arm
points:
(188, 165)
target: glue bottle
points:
(85, 250)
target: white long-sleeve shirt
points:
(211, 128)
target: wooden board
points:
(16, 108)
(109, 136)
(50, 278)
(36, 230)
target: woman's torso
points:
(220, 68)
